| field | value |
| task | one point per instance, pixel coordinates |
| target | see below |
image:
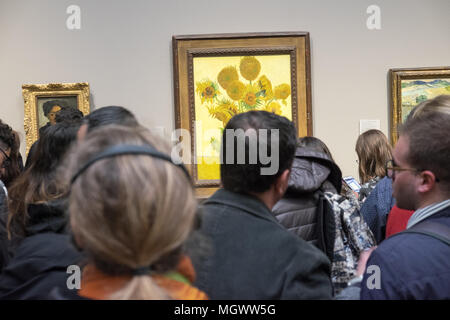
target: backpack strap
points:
(320, 228)
(325, 227)
(432, 229)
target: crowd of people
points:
(102, 193)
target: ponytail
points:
(141, 287)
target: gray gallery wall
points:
(123, 50)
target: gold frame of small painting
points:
(35, 95)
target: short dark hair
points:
(69, 114)
(429, 144)
(110, 115)
(47, 106)
(247, 177)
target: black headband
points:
(124, 149)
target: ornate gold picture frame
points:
(409, 87)
(219, 75)
(75, 95)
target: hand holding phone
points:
(352, 183)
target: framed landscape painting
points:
(218, 76)
(411, 86)
(44, 101)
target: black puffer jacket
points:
(303, 210)
(41, 259)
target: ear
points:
(281, 183)
(82, 131)
(427, 181)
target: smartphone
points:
(352, 183)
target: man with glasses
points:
(7, 140)
(415, 264)
(5, 160)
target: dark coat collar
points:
(47, 217)
(242, 202)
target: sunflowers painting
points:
(226, 86)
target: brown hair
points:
(130, 211)
(373, 151)
(38, 184)
(429, 143)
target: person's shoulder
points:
(405, 248)
(406, 262)
(51, 246)
(384, 182)
(400, 241)
(382, 189)
(212, 210)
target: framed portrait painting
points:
(44, 101)
(411, 86)
(219, 75)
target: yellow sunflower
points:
(226, 76)
(282, 91)
(251, 96)
(250, 68)
(250, 99)
(236, 90)
(266, 86)
(223, 111)
(274, 107)
(207, 90)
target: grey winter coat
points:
(312, 174)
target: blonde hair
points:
(438, 104)
(130, 211)
(373, 151)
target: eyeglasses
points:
(391, 168)
(7, 160)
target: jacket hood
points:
(47, 217)
(311, 169)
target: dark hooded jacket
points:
(303, 210)
(315, 211)
(41, 259)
